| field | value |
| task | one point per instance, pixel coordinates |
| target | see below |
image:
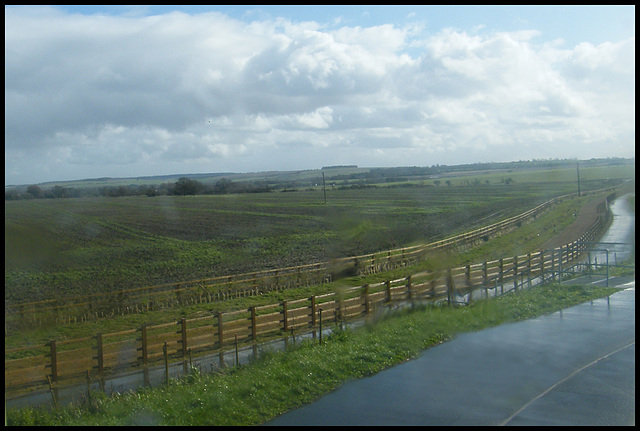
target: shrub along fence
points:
(60, 363)
(81, 308)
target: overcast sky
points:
(136, 91)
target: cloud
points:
(101, 95)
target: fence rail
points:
(69, 361)
(87, 307)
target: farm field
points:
(64, 247)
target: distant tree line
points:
(187, 186)
(182, 187)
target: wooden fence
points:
(70, 361)
(67, 310)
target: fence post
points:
(409, 289)
(166, 362)
(183, 330)
(143, 341)
(145, 354)
(54, 361)
(388, 286)
(100, 356)
(220, 333)
(237, 354)
(285, 323)
(313, 312)
(449, 286)
(366, 299)
(484, 273)
(320, 335)
(560, 266)
(515, 272)
(254, 329)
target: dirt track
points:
(588, 215)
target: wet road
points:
(575, 367)
(617, 237)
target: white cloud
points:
(89, 96)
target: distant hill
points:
(344, 173)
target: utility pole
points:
(324, 189)
(578, 169)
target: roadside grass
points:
(276, 382)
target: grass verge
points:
(280, 381)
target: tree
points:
(60, 192)
(222, 186)
(186, 186)
(35, 191)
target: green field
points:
(65, 247)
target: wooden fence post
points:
(254, 329)
(515, 272)
(237, 353)
(100, 355)
(388, 287)
(220, 339)
(409, 296)
(285, 323)
(143, 344)
(54, 361)
(484, 273)
(320, 332)
(220, 333)
(166, 362)
(366, 299)
(449, 286)
(313, 311)
(183, 330)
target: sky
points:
(132, 91)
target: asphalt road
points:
(575, 367)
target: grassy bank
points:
(280, 381)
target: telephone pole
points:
(324, 189)
(578, 169)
